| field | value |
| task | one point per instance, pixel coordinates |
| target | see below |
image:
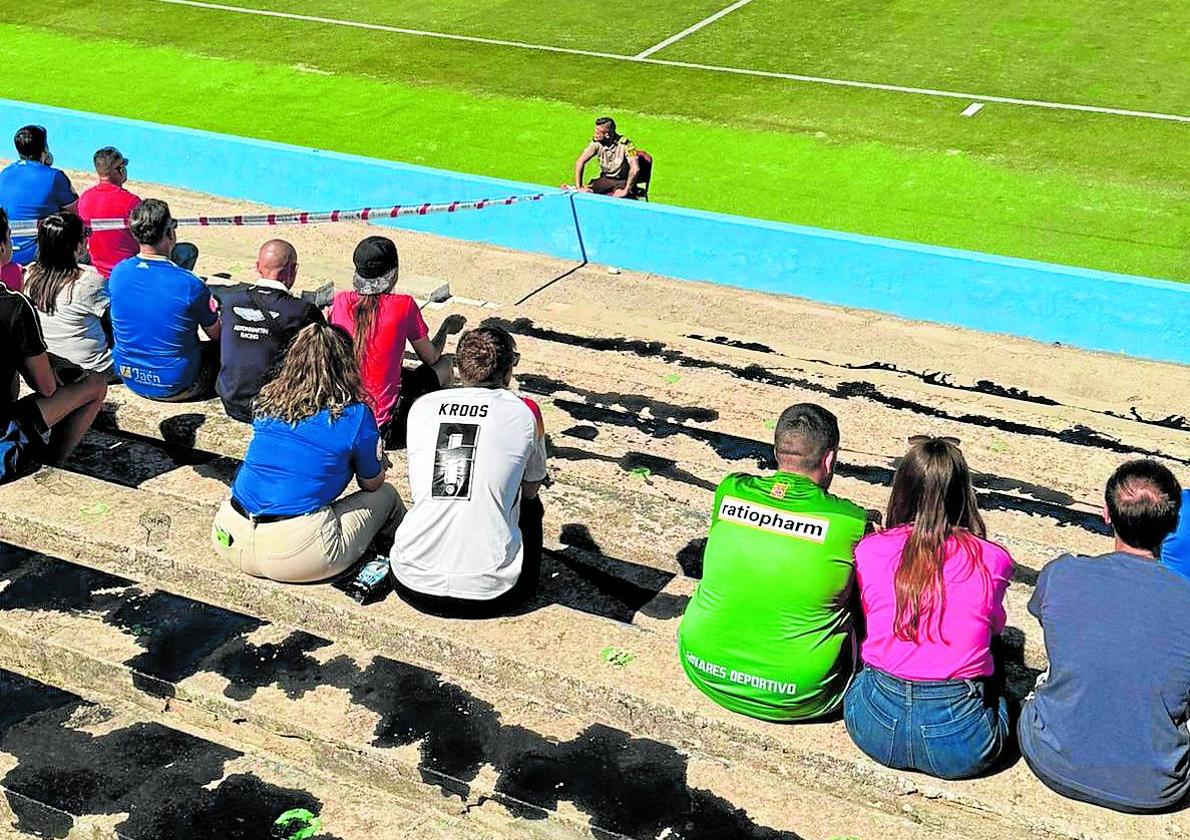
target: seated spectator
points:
(312, 434)
(259, 321)
(12, 277)
(46, 426)
(71, 299)
(769, 631)
(1175, 551)
(157, 310)
(1107, 723)
(932, 592)
(31, 189)
(380, 321)
(110, 200)
(618, 163)
(470, 545)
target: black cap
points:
(375, 257)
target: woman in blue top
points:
(313, 432)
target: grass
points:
(1092, 190)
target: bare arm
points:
(633, 171)
(426, 350)
(214, 330)
(580, 165)
(40, 376)
(370, 484)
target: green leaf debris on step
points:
(616, 657)
(296, 824)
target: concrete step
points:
(552, 655)
(74, 768)
(388, 725)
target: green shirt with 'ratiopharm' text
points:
(769, 631)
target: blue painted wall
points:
(1083, 308)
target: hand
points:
(454, 324)
(620, 193)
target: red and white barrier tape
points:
(271, 219)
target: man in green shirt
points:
(769, 631)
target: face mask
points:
(608, 141)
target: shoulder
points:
(996, 556)
(534, 409)
(838, 506)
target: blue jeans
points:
(947, 728)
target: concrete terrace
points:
(572, 718)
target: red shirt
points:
(397, 321)
(108, 247)
(12, 276)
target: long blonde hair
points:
(318, 371)
(932, 492)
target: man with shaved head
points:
(260, 319)
(769, 633)
(1108, 721)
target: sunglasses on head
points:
(917, 440)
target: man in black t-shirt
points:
(259, 320)
(47, 425)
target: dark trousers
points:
(532, 514)
(203, 386)
(415, 382)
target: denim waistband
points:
(927, 689)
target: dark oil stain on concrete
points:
(1077, 435)
(154, 774)
(755, 346)
(635, 787)
(582, 432)
(1046, 502)
(176, 633)
(631, 787)
(632, 403)
(985, 386)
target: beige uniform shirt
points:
(613, 159)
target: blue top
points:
(1175, 551)
(1110, 719)
(30, 190)
(157, 308)
(294, 470)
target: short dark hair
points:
(805, 433)
(486, 356)
(107, 160)
(1143, 500)
(30, 141)
(608, 121)
(150, 221)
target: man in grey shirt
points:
(1107, 724)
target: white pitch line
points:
(690, 30)
(686, 65)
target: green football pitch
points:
(840, 114)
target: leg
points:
(185, 255)
(871, 716)
(69, 413)
(530, 523)
(360, 518)
(606, 186)
(415, 382)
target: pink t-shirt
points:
(398, 321)
(974, 589)
(12, 276)
(108, 247)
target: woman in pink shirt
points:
(932, 589)
(381, 322)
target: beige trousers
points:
(307, 548)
